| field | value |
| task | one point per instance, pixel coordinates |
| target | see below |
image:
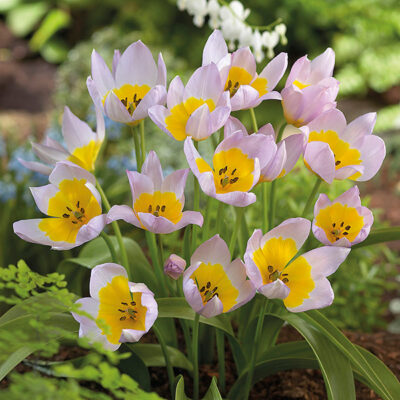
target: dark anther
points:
(236, 86)
(150, 208)
(270, 268)
(333, 232)
(163, 208)
(156, 214)
(347, 227)
(158, 207)
(132, 317)
(225, 169)
(121, 310)
(333, 224)
(134, 98)
(272, 276)
(82, 210)
(345, 233)
(234, 180)
(341, 225)
(228, 87)
(133, 303)
(337, 162)
(221, 181)
(69, 209)
(206, 293)
(125, 304)
(221, 171)
(336, 239)
(202, 289)
(66, 215)
(74, 222)
(285, 280)
(77, 204)
(284, 274)
(215, 289)
(208, 285)
(122, 318)
(124, 101)
(233, 172)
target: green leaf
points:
(6, 5)
(152, 356)
(54, 51)
(180, 389)
(213, 392)
(54, 21)
(380, 235)
(238, 354)
(177, 307)
(23, 18)
(96, 252)
(375, 374)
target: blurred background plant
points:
(364, 34)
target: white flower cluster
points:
(231, 20)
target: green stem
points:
(280, 133)
(220, 217)
(271, 211)
(221, 358)
(158, 269)
(142, 140)
(110, 246)
(139, 161)
(232, 243)
(196, 205)
(161, 254)
(254, 120)
(310, 199)
(170, 370)
(122, 249)
(207, 218)
(195, 353)
(264, 200)
(254, 350)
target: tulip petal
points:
(125, 213)
(213, 251)
(244, 58)
(29, 231)
(175, 182)
(319, 156)
(115, 110)
(156, 224)
(101, 74)
(162, 71)
(213, 308)
(322, 65)
(233, 125)
(156, 96)
(215, 48)
(274, 290)
(331, 120)
(294, 149)
(36, 166)
(102, 275)
(42, 195)
(158, 114)
(373, 152)
(198, 124)
(188, 218)
(175, 92)
(152, 168)
(66, 170)
(359, 128)
(140, 183)
(136, 66)
(237, 199)
(244, 98)
(274, 70)
(48, 154)
(91, 230)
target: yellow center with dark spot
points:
(120, 309)
(180, 114)
(86, 156)
(239, 76)
(338, 221)
(160, 204)
(271, 261)
(344, 154)
(130, 96)
(233, 171)
(72, 206)
(211, 280)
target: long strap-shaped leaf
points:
(335, 367)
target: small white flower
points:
(281, 31)
(257, 44)
(270, 40)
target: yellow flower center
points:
(160, 204)
(180, 114)
(344, 154)
(237, 76)
(86, 156)
(120, 309)
(340, 221)
(73, 206)
(233, 171)
(300, 85)
(271, 261)
(211, 280)
(130, 96)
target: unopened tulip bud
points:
(174, 266)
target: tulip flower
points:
(157, 202)
(127, 309)
(135, 84)
(301, 283)
(336, 150)
(174, 266)
(74, 205)
(82, 143)
(246, 88)
(342, 222)
(213, 285)
(286, 152)
(198, 109)
(237, 163)
(310, 89)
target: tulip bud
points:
(174, 266)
